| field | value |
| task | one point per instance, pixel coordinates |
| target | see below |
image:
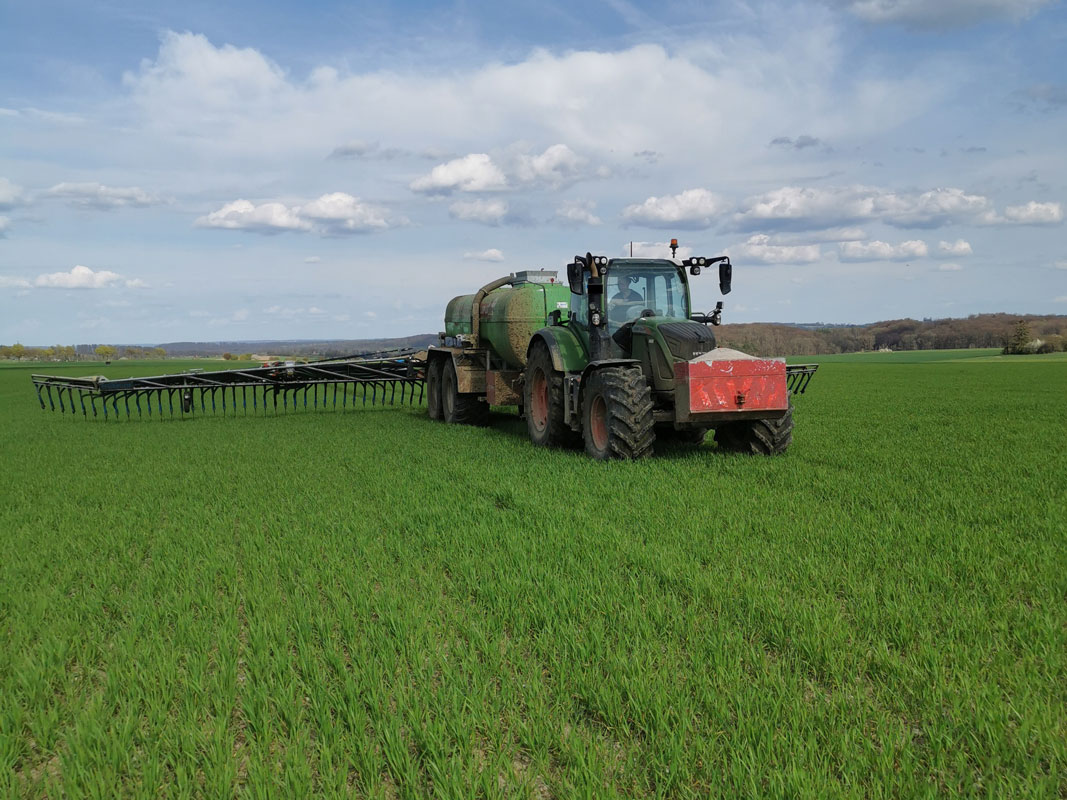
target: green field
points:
(366, 603)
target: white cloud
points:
(1061, 264)
(881, 251)
(1032, 213)
(797, 207)
(101, 197)
(820, 236)
(577, 213)
(312, 260)
(758, 248)
(654, 250)
(488, 212)
(78, 278)
(557, 165)
(265, 218)
(342, 213)
(1061, 299)
(335, 213)
(693, 209)
(954, 249)
(136, 283)
(10, 194)
(950, 267)
(14, 283)
(492, 254)
(5, 226)
(940, 14)
(475, 172)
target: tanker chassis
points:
(615, 358)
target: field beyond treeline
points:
(367, 603)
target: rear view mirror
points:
(726, 274)
(574, 276)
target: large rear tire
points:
(542, 398)
(617, 414)
(433, 387)
(460, 408)
(761, 437)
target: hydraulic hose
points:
(476, 305)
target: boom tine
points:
(40, 399)
(81, 399)
(59, 396)
(51, 402)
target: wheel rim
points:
(539, 400)
(598, 422)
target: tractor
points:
(614, 359)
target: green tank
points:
(510, 314)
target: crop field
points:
(369, 604)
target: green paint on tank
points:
(510, 316)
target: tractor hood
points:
(681, 339)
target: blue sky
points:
(218, 171)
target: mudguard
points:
(568, 354)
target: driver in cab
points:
(625, 294)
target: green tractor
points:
(616, 358)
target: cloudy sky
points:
(239, 170)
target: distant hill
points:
(977, 330)
(298, 347)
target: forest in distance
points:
(757, 338)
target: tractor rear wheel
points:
(761, 437)
(542, 397)
(433, 387)
(460, 407)
(617, 414)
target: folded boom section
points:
(387, 378)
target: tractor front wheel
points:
(434, 376)
(761, 437)
(617, 414)
(460, 407)
(543, 401)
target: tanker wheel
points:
(760, 437)
(617, 414)
(433, 387)
(460, 407)
(542, 398)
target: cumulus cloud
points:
(492, 254)
(330, 214)
(10, 194)
(577, 212)
(759, 248)
(556, 166)
(1032, 213)
(487, 212)
(949, 267)
(800, 208)
(820, 236)
(79, 277)
(342, 213)
(7, 282)
(692, 209)
(101, 197)
(881, 251)
(474, 172)
(954, 249)
(942, 14)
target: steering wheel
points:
(648, 312)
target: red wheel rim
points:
(539, 400)
(598, 423)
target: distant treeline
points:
(303, 348)
(977, 330)
(759, 338)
